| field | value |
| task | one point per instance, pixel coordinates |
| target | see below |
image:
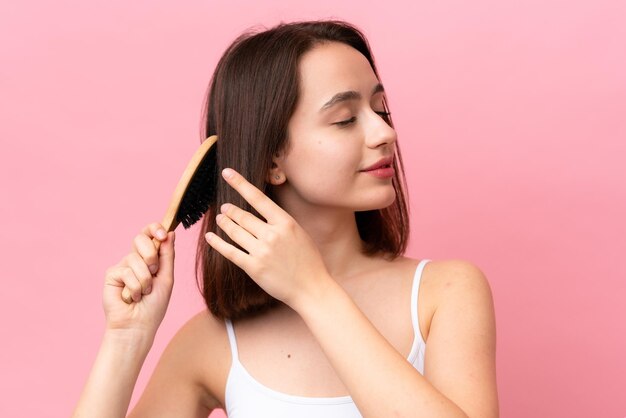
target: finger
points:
(155, 230)
(166, 259)
(123, 276)
(126, 296)
(140, 269)
(143, 245)
(229, 251)
(245, 219)
(263, 204)
(236, 232)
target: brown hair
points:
(251, 98)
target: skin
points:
(334, 298)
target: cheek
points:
(325, 158)
(336, 169)
(319, 173)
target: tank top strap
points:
(231, 339)
(414, 293)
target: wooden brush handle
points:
(169, 222)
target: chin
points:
(380, 202)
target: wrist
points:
(314, 299)
(128, 341)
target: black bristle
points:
(200, 192)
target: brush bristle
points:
(200, 192)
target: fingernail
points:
(161, 234)
(228, 173)
(148, 290)
(209, 236)
(153, 268)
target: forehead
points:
(333, 67)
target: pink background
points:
(511, 116)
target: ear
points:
(276, 176)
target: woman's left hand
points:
(282, 258)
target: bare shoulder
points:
(442, 281)
(461, 347)
(459, 287)
(189, 377)
(457, 276)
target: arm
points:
(459, 379)
(110, 384)
(175, 388)
(130, 327)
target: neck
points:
(335, 234)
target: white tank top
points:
(246, 397)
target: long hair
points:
(252, 95)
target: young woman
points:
(313, 311)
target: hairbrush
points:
(195, 191)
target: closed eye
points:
(384, 115)
(346, 122)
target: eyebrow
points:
(349, 95)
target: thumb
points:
(167, 255)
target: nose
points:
(379, 132)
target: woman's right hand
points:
(149, 275)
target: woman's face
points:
(336, 131)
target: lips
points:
(382, 163)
